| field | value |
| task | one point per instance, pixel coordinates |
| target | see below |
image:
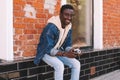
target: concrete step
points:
(115, 75)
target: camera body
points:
(77, 51)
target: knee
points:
(59, 67)
(77, 65)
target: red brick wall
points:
(111, 23)
(27, 30)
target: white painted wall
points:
(6, 29)
(63, 2)
(98, 24)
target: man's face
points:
(66, 16)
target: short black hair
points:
(66, 6)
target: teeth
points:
(67, 21)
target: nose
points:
(69, 17)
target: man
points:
(55, 44)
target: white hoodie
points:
(63, 32)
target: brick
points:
(30, 31)
(92, 70)
(18, 14)
(41, 15)
(18, 31)
(29, 53)
(18, 25)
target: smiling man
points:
(55, 46)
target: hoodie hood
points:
(63, 32)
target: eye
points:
(68, 15)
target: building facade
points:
(22, 22)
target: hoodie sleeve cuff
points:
(68, 49)
(53, 52)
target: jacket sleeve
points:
(48, 40)
(46, 43)
(50, 43)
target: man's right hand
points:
(70, 54)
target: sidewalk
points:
(115, 75)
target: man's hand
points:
(76, 51)
(70, 54)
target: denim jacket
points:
(48, 39)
